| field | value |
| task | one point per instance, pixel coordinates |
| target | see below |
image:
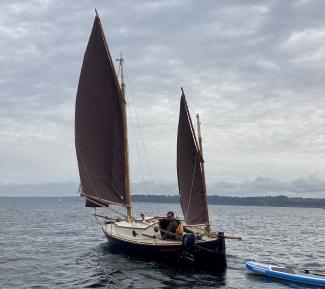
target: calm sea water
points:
(47, 243)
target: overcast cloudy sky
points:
(254, 70)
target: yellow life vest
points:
(180, 229)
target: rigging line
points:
(117, 212)
(97, 218)
(137, 147)
(191, 108)
(134, 131)
(118, 71)
(141, 139)
(193, 131)
(143, 144)
(194, 113)
(146, 155)
(138, 132)
(125, 216)
(110, 209)
(192, 184)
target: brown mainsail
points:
(100, 125)
(191, 182)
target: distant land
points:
(307, 187)
(270, 201)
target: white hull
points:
(144, 238)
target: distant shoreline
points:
(274, 201)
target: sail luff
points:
(108, 54)
(198, 145)
(192, 128)
(125, 128)
(202, 166)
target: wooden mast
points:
(126, 146)
(202, 165)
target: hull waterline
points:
(209, 255)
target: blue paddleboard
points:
(286, 274)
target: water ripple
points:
(59, 244)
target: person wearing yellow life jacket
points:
(175, 229)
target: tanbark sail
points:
(189, 170)
(99, 125)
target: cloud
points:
(310, 186)
(254, 70)
(305, 187)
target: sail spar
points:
(189, 171)
(99, 126)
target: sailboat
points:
(101, 142)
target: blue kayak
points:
(286, 274)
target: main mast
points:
(126, 152)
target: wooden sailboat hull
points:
(209, 254)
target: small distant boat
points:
(287, 273)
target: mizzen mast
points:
(125, 132)
(202, 162)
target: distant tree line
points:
(275, 201)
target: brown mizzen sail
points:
(100, 125)
(191, 182)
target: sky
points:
(253, 70)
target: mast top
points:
(198, 127)
(121, 63)
(121, 68)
